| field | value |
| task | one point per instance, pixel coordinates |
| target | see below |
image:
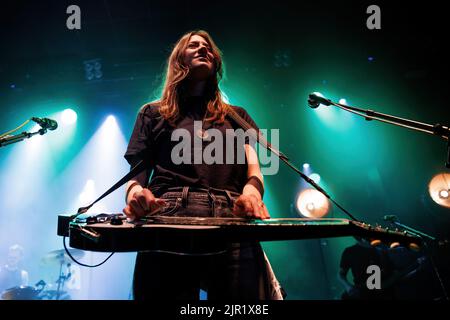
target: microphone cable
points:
(14, 130)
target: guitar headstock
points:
(377, 234)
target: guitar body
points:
(195, 235)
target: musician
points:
(11, 273)
(196, 188)
(412, 277)
(357, 258)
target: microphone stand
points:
(258, 136)
(413, 231)
(427, 251)
(21, 136)
(436, 129)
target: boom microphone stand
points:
(21, 136)
(316, 99)
(394, 220)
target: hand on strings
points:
(250, 206)
(143, 203)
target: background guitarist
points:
(356, 259)
(412, 276)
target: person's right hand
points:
(141, 204)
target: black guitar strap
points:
(258, 137)
(141, 165)
(138, 168)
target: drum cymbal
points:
(439, 189)
(60, 256)
(20, 293)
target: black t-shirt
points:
(358, 258)
(152, 140)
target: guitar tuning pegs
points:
(375, 242)
(394, 245)
(414, 247)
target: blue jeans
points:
(238, 273)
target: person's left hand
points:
(249, 206)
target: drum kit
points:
(42, 290)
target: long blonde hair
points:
(177, 72)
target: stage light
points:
(110, 121)
(282, 59)
(93, 69)
(439, 188)
(97, 167)
(326, 114)
(315, 177)
(88, 193)
(318, 94)
(306, 166)
(109, 127)
(342, 101)
(312, 204)
(443, 194)
(69, 117)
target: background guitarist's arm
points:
(342, 277)
(404, 274)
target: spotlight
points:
(315, 177)
(110, 123)
(109, 127)
(69, 116)
(318, 94)
(439, 188)
(443, 194)
(93, 69)
(88, 193)
(306, 166)
(342, 101)
(312, 204)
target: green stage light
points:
(69, 116)
(315, 177)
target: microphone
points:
(316, 98)
(46, 123)
(391, 218)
